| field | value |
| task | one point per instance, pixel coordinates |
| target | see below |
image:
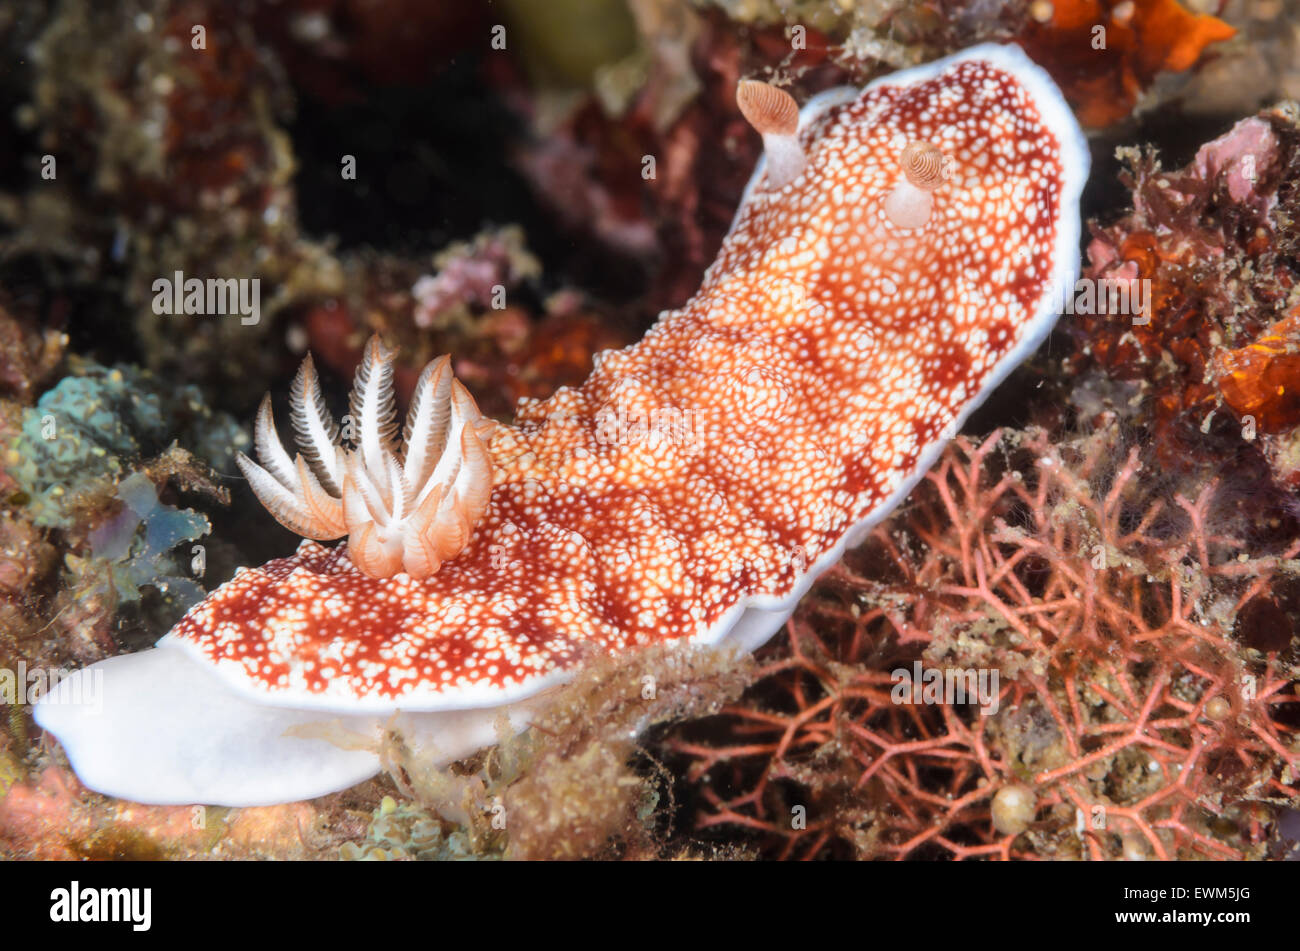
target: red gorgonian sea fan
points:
(1133, 717)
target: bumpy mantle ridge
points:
(698, 482)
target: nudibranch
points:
(892, 260)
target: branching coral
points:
(1110, 603)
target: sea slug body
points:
(691, 490)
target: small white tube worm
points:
(775, 115)
(910, 203)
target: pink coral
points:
(473, 274)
